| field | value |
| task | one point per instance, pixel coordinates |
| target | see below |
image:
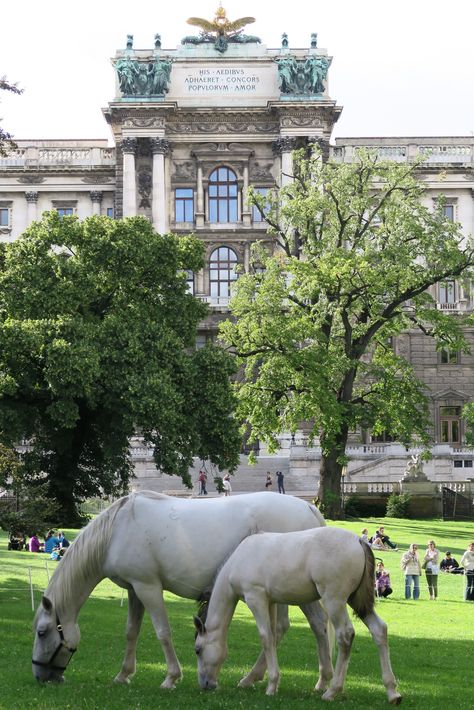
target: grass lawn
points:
(431, 644)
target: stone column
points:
(200, 199)
(96, 199)
(32, 200)
(129, 178)
(245, 204)
(284, 147)
(160, 148)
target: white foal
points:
(267, 569)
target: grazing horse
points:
(146, 543)
(329, 564)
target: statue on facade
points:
(143, 78)
(304, 76)
(414, 469)
(220, 31)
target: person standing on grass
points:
(410, 564)
(467, 561)
(431, 567)
(202, 483)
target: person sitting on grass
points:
(450, 564)
(377, 543)
(380, 532)
(382, 581)
(50, 541)
(56, 553)
(34, 545)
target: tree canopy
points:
(97, 343)
(6, 140)
(356, 254)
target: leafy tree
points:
(356, 252)
(6, 141)
(97, 334)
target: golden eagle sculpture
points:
(220, 30)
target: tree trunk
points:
(330, 495)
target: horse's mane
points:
(84, 558)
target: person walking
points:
(467, 561)
(431, 567)
(280, 480)
(226, 485)
(410, 564)
(268, 481)
(202, 483)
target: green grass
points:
(431, 644)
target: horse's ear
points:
(200, 625)
(47, 604)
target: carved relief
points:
(301, 121)
(261, 171)
(185, 170)
(96, 179)
(135, 122)
(30, 179)
(235, 123)
(144, 187)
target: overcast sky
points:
(399, 68)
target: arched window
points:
(223, 196)
(222, 272)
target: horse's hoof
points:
(395, 699)
(271, 691)
(123, 679)
(328, 695)
(169, 683)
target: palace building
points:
(193, 128)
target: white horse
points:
(294, 568)
(148, 543)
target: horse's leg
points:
(151, 595)
(318, 622)
(134, 622)
(344, 636)
(258, 671)
(265, 617)
(378, 629)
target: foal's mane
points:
(83, 560)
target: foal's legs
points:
(265, 617)
(344, 636)
(378, 629)
(134, 622)
(151, 595)
(258, 671)
(318, 622)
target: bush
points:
(397, 505)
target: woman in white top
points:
(431, 567)
(467, 561)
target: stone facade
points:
(188, 145)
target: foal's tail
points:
(362, 599)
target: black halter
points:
(62, 644)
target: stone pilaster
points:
(31, 210)
(160, 148)
(129, 146)
(96, 199)
(284, 147)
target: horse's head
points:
(211, 652)
(54, 643)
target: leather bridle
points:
(62, 644)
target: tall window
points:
(223, 196)
(110, 212)
(256, 214)
(65, 211)
(190, 281)
(448, 211)
(4, 217)
(222, 272)
(184, 204)
(450, 425)
(447, 292)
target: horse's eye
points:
(198, 651)
(41, 633)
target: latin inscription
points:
(223, 80)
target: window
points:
(4, 217)
(110, 212)
(448, 357)
(446, 292)
(450, 424)
(383, 438)
(222, 272)
(448, 211)
(184, 204)
(223, 196)
(256, 214)
(190, 282)
(65, 211)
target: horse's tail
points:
(362, 599)
(318, 515)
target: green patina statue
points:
(304, 76)
(143, 78)
(220, 31)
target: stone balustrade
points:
(435, 152)
(32, 157)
